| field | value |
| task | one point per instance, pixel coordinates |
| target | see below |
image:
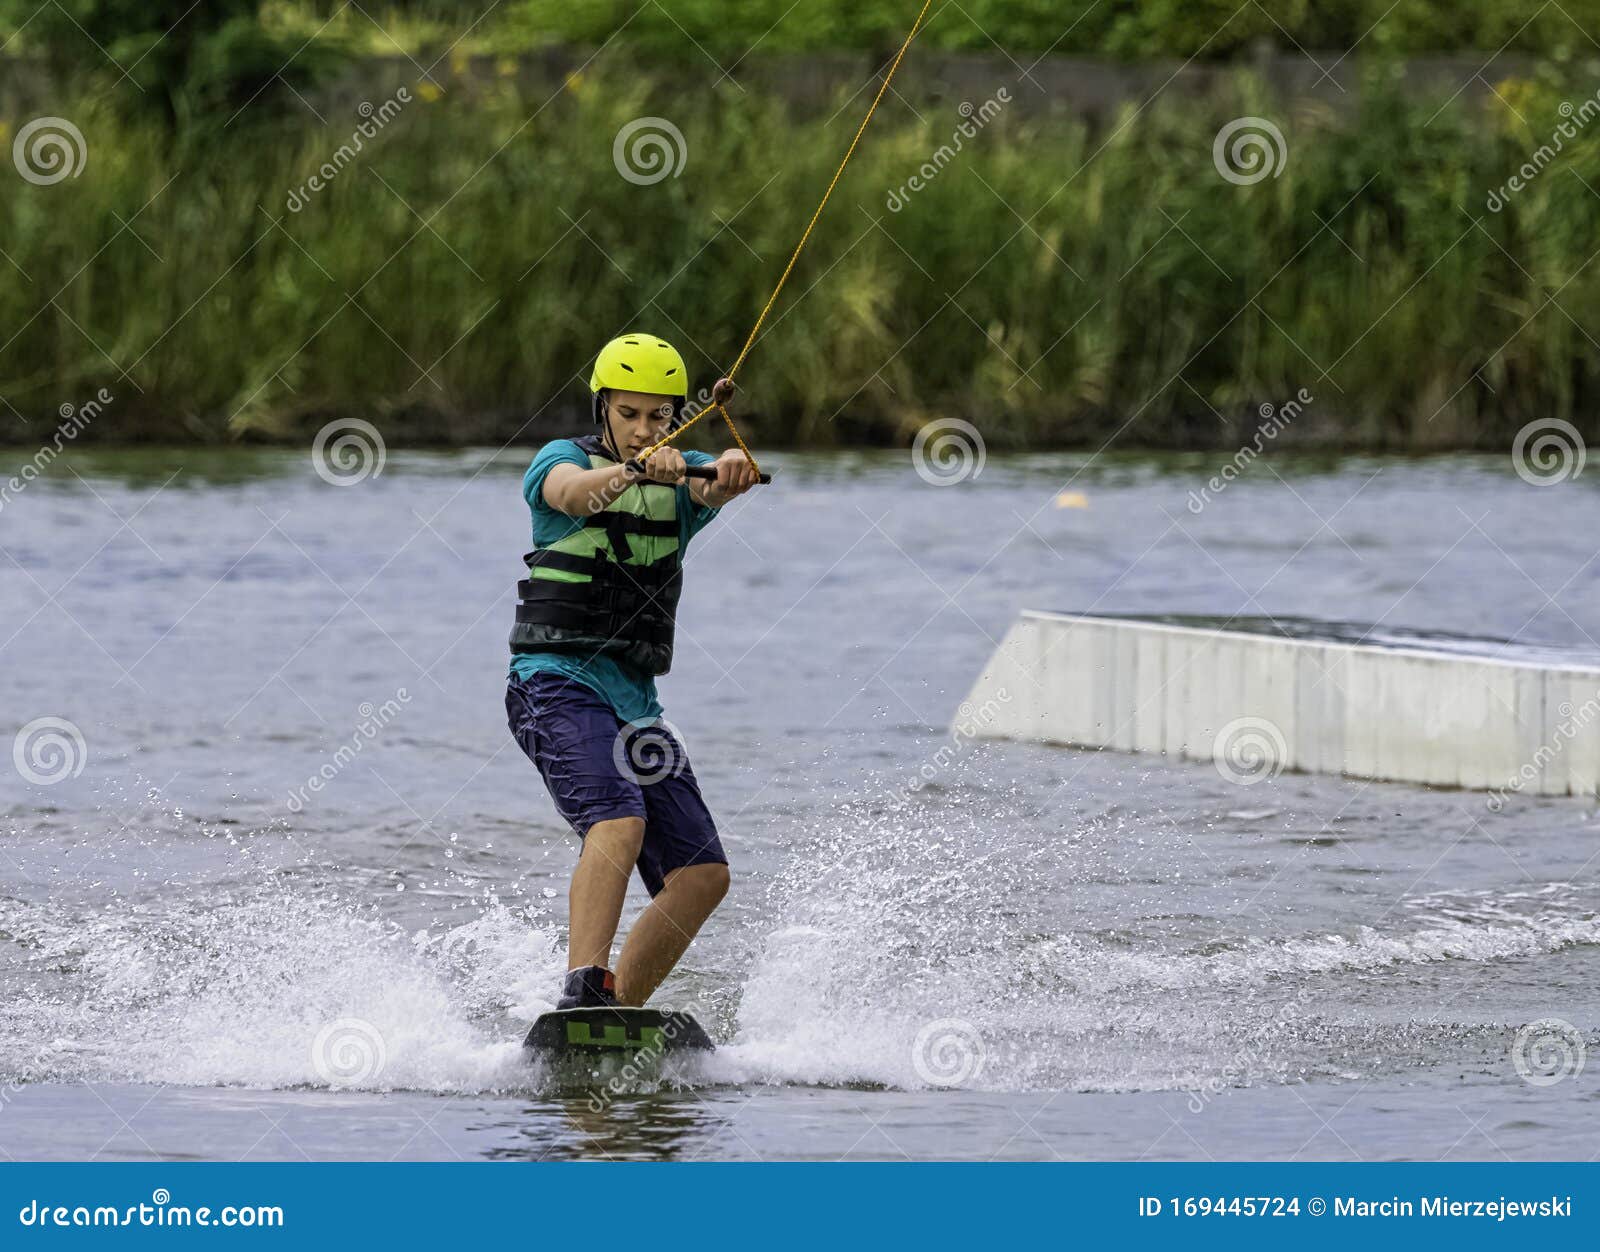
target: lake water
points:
(1040, 953)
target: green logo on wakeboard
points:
(584, 1035)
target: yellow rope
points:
(715, 406)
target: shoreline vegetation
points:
(691, 30)
(1416, 273)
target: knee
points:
(710, 882)
(714, 881)
(620, 838)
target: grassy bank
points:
(692, 29)
(456, 276)
(1212, 29)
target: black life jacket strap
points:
(593, 620)
(633, 524)
(565, 562)
(609, 581)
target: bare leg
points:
(598, 886)
(664, 929)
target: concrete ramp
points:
(1258, 696)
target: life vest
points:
(610, 586)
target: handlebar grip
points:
(696, 471)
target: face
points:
(638, 419)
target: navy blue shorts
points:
(598, 767)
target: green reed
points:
(1054, 283)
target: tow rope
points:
(716, 405)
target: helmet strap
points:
(602, 416)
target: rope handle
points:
(716, 406)
(706, 472)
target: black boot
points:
(591, 987)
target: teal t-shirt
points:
(631, 695)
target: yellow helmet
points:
(640, 362)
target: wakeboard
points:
(613, 1031)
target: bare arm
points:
(584, 492)
(734, 478)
